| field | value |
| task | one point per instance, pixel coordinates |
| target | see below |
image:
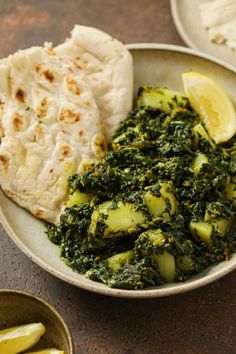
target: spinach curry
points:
(159, 205)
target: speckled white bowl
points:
(156, 64)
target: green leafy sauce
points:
(159, 206)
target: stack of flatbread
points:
(58, 110)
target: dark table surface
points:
(202, 321)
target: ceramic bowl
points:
(187, 18)
(17, 308)
(155, 64)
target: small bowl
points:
(18, 308)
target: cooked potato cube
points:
(122, 219)
(221, 225)
(159, 97)
(166, 266)
(231, 191)
(162, 206)
(117, 261)
(156, 205)
(201, 231)
(78, 198)
(185, 263)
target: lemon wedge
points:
(215, 108)
(16, 339)
(48, 351)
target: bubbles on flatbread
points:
(108, 67)
(58, 110)
(48, 129)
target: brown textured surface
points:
(202, 321)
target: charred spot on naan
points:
(18, 122)
(20, 95)
(46, 73)
(50, 51)
(4, 160)
(72, 86)
(39, 214)
(67, 116)
(65, 151)
(2, 105)
(99, 145)
(43, 108)
(37, 68)
(77, 63)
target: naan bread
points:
(50, 129)
(55, 107)
(108, 67)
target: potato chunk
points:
(185, 263)
(119, 260)
(160, 97)
(123, 219)
(78, 198)
(231, 191)
(162, 206)
(221, 225)
(201, 231)
(166, 266)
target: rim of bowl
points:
(48, 306)
(142, 293)
(179, 26)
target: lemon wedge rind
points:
(17, 339)
(214, 106)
